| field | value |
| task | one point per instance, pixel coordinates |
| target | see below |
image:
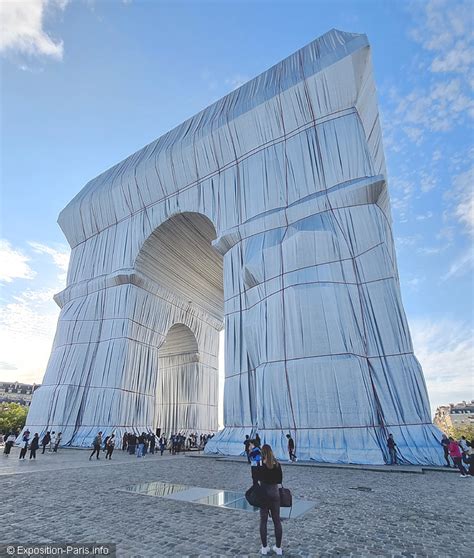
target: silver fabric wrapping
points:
(286, 178)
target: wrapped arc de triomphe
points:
(268, 214)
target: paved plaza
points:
(65, 497)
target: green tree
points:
(466, 430)
(12, 417)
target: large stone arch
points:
(290, 171)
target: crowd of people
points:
(145, 443)
(50, 441)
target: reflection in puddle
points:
(227, 499)
(162, 489)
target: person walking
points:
(96, 445)
(445, 443)
(291, 449)
(392, 450)
(456, 455)
(57, 442)
(110, 447)
(9, 443)
(45, 441)
(270, 477)
(34, 446)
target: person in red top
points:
(456, 455)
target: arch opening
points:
(179, 258)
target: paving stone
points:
(66, 498)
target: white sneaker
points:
(277, 551)
(265, 550)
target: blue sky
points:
(86, 83)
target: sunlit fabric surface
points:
(268, 214)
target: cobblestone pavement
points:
(65, 497)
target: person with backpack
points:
(96, 445)
(255, 456)
(45, 441)
(270, 476)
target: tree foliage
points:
(466, 430)
(12, 417)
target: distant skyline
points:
(86, 83)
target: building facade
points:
(452, 416)
(15, 392)
(266, 214)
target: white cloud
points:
(464, 195)
(22, 28)
(236, 81)
(415, 282)
(27, 326)
(463, 264)
(424, 216)
(28, 318)
(444, 32)
(445, 350)
(60, 257)
(14, 264)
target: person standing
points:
(258, 442)
(34, 446)
(255, 459)
(110, 447)
(141, 445)
(291, 449)
(132, 442)
(50, 449)
(445, 443)
(24, 444)
(152, 444)
(392, 450)
(162, 443)
(124, 442)
(45, 441)
(246, 447)
(9, 443)
(456, 455)
(57, 442)
(270, 477)
(96, 445)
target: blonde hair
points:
(267, 456)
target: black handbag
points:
(286, 499)
(256, 497)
